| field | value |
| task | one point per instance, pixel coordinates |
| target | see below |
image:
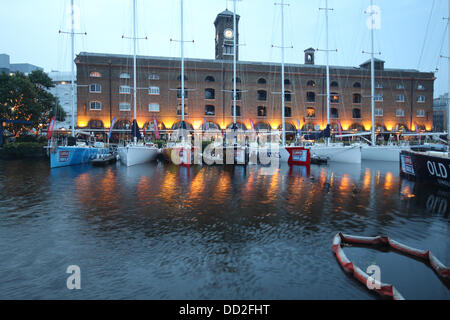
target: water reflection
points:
(208, 232)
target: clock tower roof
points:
(227, 13)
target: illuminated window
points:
(95, 74)
(310, 112)
(262, 112)
(311, 83)
(334, 97)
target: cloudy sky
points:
(412, 35)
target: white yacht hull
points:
(382, 153)
(132, 155)
(343, 154)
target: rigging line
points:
(442, 44)
(426, 34)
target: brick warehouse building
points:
(403, 97)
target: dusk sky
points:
(413, 33)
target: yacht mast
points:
(328, 66)
(282, 77)
(134, 64)
(72, 36)
(234, 65)
(448, 94)
(182, 64)
(372, 73)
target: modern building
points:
(440, 113)
(105, 90)
(6, 66)
(63, 91)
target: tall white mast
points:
(134, 63)
(448, 94)
(182, 63)
(283, 125)
(328, 66)
(372, 73)
(234, 64)
(72, 35)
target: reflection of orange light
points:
(345, 182)
(388, 181)
(367, 178)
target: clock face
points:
(228, 33)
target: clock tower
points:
(225, 35)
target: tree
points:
(27, 98)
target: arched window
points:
(95, 124)
(95, 88)
(262, 81)
(334, 97)
(310, 97)
(356, 113)
(238, 80)
(334, 84)
(287, 96)
(210, 94)
(334, 113)
(262, 111)
(124, 75)
(238, 111)
(357, 85)
(287, 81)
(210, 79)
(95, 105)
(287, 112)
(262, 95)
(311, 83)
(210, 110)
(310, 112)
(95, 74)
(357, 98)
(179, 78)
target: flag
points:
(339, 129)
(251, 124)
(113, 122)
(155, 125)
(50, 127)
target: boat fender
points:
(386, 290)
